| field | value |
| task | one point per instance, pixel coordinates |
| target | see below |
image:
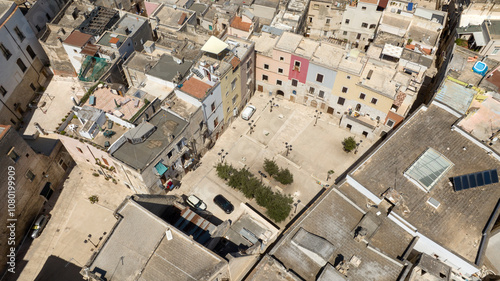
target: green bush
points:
(349, 144)
(284, 176)
(278, 205)
(271, 167)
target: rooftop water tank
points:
(480, 68)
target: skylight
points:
(428, 169)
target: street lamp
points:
(252, 126)
(94, 244)
(317, 116)
(329, 174)
(271, 104)
(222, 155)
(288, 148)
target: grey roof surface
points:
(289, 42)
(141, 154)
(167, 68)
(455, 96)
(139, 61)
(267, 3)
(334, 218)
(459, 217)
(469, 29)
(130, 22)
(315, 247)
(494, 29)
(104, 40)
(415, 57)
(199, 8)
(272, 30)
(138, 249)
(329, 273)
(4, 6)
(433, 267)
(270, 269)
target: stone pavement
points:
(315, 150)
(60, 251)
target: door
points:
(358, 107)
(260, 88)
(292, 98)
(329, 110)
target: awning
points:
(160, 168)
(393, 51)
(214, 46)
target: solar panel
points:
(475, 180)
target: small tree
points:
(271, 167)
(349, 144)
(284, 176)
(93, 199)
(224, 171)
(330, 173)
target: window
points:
(311, 90)
(364, 25)
(6, 53)
(374, 100)
(363, 8)
(216, 122)
(170, 154)
(328, 21)
(358, 36)
(321, 94)
(29, 175)
(294, 82)
(233, 84)
(265, 78)
(30, 52)
(310, 19)
(344, 33)
(362, 96)
(372, 26)
(341, 101)
(319, 78)
(227, 110)
(48, 16)
(279, 82)
(13, 155)
(227, 93)
(347, 21)
(297, 63)
(32, 87)
(38, 27)
(325, 33)
(249, 63)
(19, 33)
(344, 89)
(282, 58)
(266, 66)
(426, 171)
(280, 70)
(3, 92)
(213, 106)
(234, 99)
(390, 123)
(79, 149)
(495, 51)
(21, 65)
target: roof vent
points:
(433, 202)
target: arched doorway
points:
(280, 93)
(358, 107)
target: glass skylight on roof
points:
(428, 169)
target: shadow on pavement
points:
(56, 269)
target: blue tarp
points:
(160, 168)
(410, 6)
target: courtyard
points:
(316, 148)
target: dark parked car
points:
(224, 204)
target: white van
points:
(247, 113)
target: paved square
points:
(316, 149)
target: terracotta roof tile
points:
(114, 40)
(90, 50)
(239, 24)
(77, 39)
(235, 61)
(195, 87)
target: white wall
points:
(209, 116)
(74, 56)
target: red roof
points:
(195, 87)
(77, 39)
(239, 24)
(235, 61)
(90, 50)
(182, 19)
(114, 40)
